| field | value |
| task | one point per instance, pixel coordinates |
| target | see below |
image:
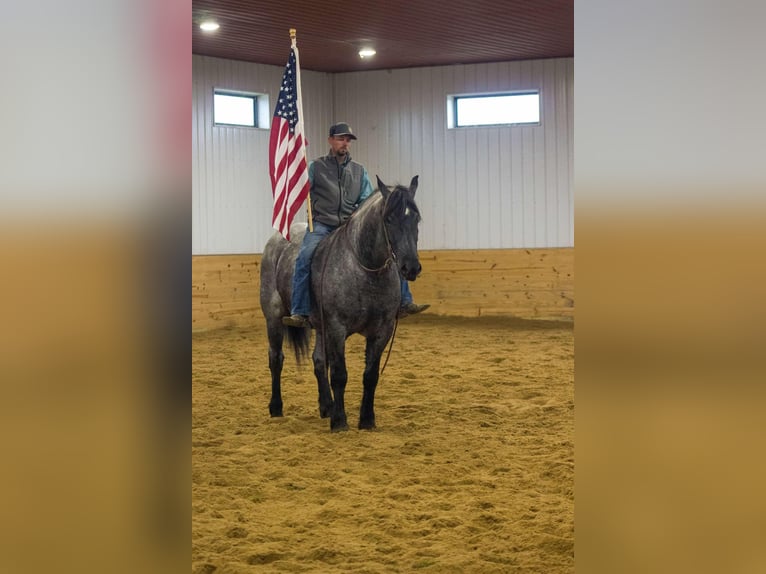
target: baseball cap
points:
(342, 129)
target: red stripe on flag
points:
(287, 151)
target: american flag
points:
(287, 149)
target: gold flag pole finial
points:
(292, 33)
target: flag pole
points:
(300, 115)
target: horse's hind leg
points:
(276, 360)
(372, 355)
(323, 385)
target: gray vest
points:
(336, 190)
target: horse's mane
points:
(398, 201)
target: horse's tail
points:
(299, 337)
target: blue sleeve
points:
(311, 172)
(367, 189)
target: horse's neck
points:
(369, 237)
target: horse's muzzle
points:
(411, 272)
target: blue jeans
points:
(301, 302)
(406, 295)
(301, 297)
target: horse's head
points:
(401, 217)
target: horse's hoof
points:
(325, 412)
(366, 425)
(275, 411)
(339, 427)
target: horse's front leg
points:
(372, 355)
(336, 356)
(276, 360)
(320, 372)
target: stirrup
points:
(296, 321)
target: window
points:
(520, 108)
(232, 108)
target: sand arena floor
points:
(470, 469)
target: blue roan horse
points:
(355, 289)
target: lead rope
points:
(391, 258)
(391, 343)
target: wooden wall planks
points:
(525, 283)
(225, 291)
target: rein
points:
(391, 344)
(390, 259)
(391, 255)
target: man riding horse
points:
(338, 186)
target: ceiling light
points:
(366, 52)
(209, 26)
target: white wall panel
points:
(231, 190)
(489, 187)
(480, 188)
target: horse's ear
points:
(414, 185)
(383, 188)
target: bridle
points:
(386, 264)
(391, 255)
